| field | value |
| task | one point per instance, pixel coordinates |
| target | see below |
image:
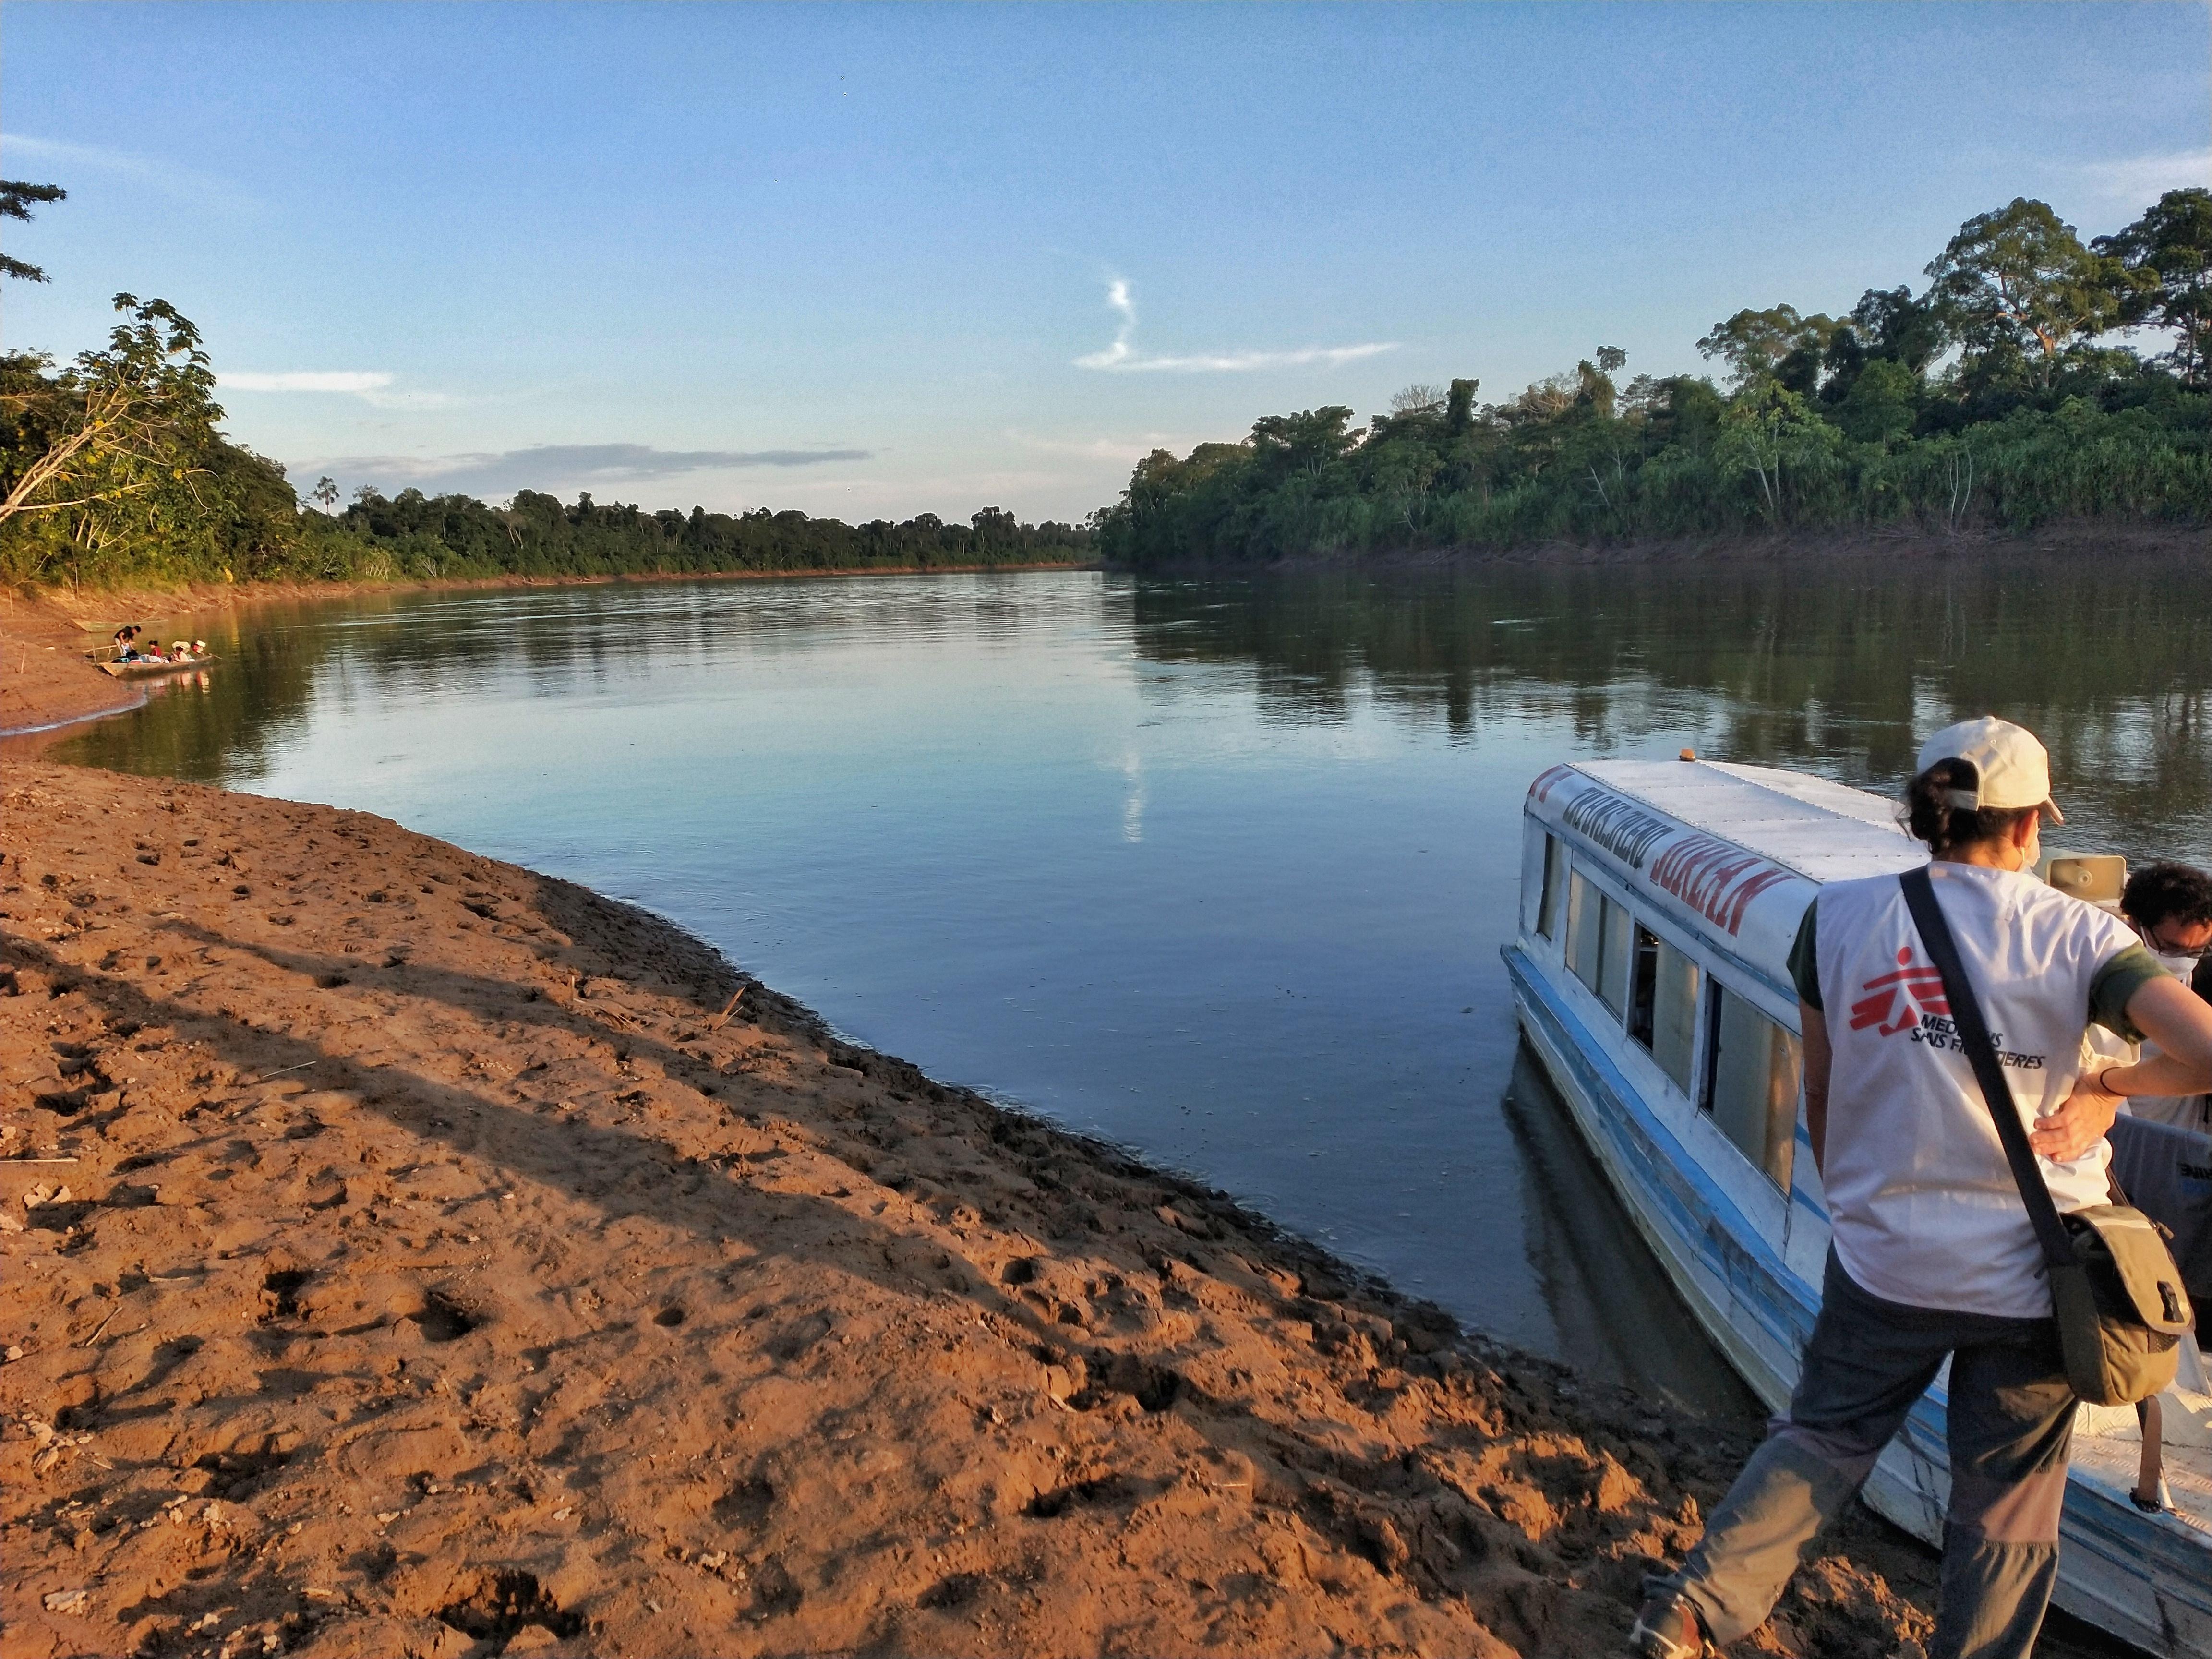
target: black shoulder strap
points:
(1982, 1054)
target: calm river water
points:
(1217, 870)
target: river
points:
(1218, 870)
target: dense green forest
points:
(535, 535)
(1996, 397)
(113, 469)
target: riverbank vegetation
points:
(2008, 394)
(114, 471)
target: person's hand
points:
(2078, 1125)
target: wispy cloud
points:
(2137, 181)
(1101, 449)
(352, 380)
(1123, 357)
(22, 154)
(372, 387)
(547, 467)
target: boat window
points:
(1751, 1083)
(1548, 907)
(1613, 950)
(1598, 942)
(1583, 905)
(1662, 1005)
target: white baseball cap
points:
(2015, 769)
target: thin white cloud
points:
(372, 387)
(1100, 449)
(358, 381)
(22, 154)
(2137, 181)
(1122, 357)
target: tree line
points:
(411, 535)
(113, 469)
(1996, 396)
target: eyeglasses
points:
(2167, 947)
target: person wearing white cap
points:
(1933, 1256)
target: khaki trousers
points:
(2010, 1428)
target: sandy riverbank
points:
(434, 1267)
(404, 1254)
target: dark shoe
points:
(1667, 1628)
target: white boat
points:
(1659, 902)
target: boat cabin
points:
(1660, 902)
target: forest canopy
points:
(114, 469)
(1997, 396)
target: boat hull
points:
(2140, 1577)
(139, 671)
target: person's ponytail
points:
(1929, 817)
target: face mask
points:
(2180, 964)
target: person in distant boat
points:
(1932, 1257)
(126, 648)
(199, 648)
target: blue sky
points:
(884, 259)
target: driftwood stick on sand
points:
(728, 1008)
(281, 1070)
(102, 1326)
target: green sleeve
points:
(1803, 961)
(2116, 984)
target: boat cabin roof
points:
(1824, 831)
(1734, 853)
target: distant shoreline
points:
(43, 632)
(2084, 537)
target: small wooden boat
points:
(1658, 903)
(141, 669)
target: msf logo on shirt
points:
(1912, 999)
(1892, 1002)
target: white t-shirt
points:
(1922, 1202)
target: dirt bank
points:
(407, 1253)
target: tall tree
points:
(1304, 443)
(1769, 437)
(16, 200)
(126, 431)
(1418, 398)
(2017, 284)
(1890, 323)
(2168, 256)
(1459, 407)
(1755, 344)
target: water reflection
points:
(1834, 668)
(1218, 870)
(1616, 1313)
